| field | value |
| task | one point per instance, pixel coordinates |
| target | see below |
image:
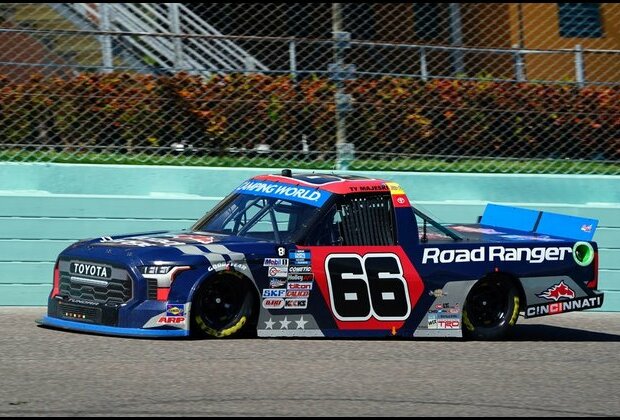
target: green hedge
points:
(131, 112)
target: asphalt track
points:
(566, 365)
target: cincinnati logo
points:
(557, 292)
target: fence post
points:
(341, 42)
(292, 54)
(579, 66)
(456, 38)
(106, 39)
(423, 65)
(175, 27)
(519, 64)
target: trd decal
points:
(367, 287)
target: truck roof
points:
(335, 184)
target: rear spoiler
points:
(542, 222)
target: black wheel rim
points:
(220, 303)
(488, 304)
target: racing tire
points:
(491, 309)
(223, 307)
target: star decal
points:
(285, 323)
(301, 324)
(269, 324)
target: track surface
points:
(566, 365)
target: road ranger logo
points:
(91, 270)
(557, 292)
(535, 255)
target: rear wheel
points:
(491, 309)
(222, 307)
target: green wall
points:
(45, 207)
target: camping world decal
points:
(297, 193)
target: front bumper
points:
(107, 330)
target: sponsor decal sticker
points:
(297, 293)
(276, 283)
(275, 262)
(170, 320)
(448, 324)
(296, 303)
(299, 193)
(270, 293)
(278, 271)
(227, 266)
(437, 293)
(565, 306)
(534, 255)
(273, 303)
(301, 277)
(175, 310)
(299, 286)
(586, 228)
(557, 292)
(299, 255)
(299, 269)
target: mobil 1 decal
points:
(367, 288)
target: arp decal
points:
(365, 287)
(557, 292)
(273, 303)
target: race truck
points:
(324, 255)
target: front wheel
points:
(491, 309)
(222, 307)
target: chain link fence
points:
(500, 87)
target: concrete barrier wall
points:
(45, 207)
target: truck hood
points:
(168, 247)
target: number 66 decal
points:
(365, 287)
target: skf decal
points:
(535, 255)
(272, 293)
(557, 292)
(566, 306)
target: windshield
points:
(266, 218)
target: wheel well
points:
(505, 276)
(234, 276)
